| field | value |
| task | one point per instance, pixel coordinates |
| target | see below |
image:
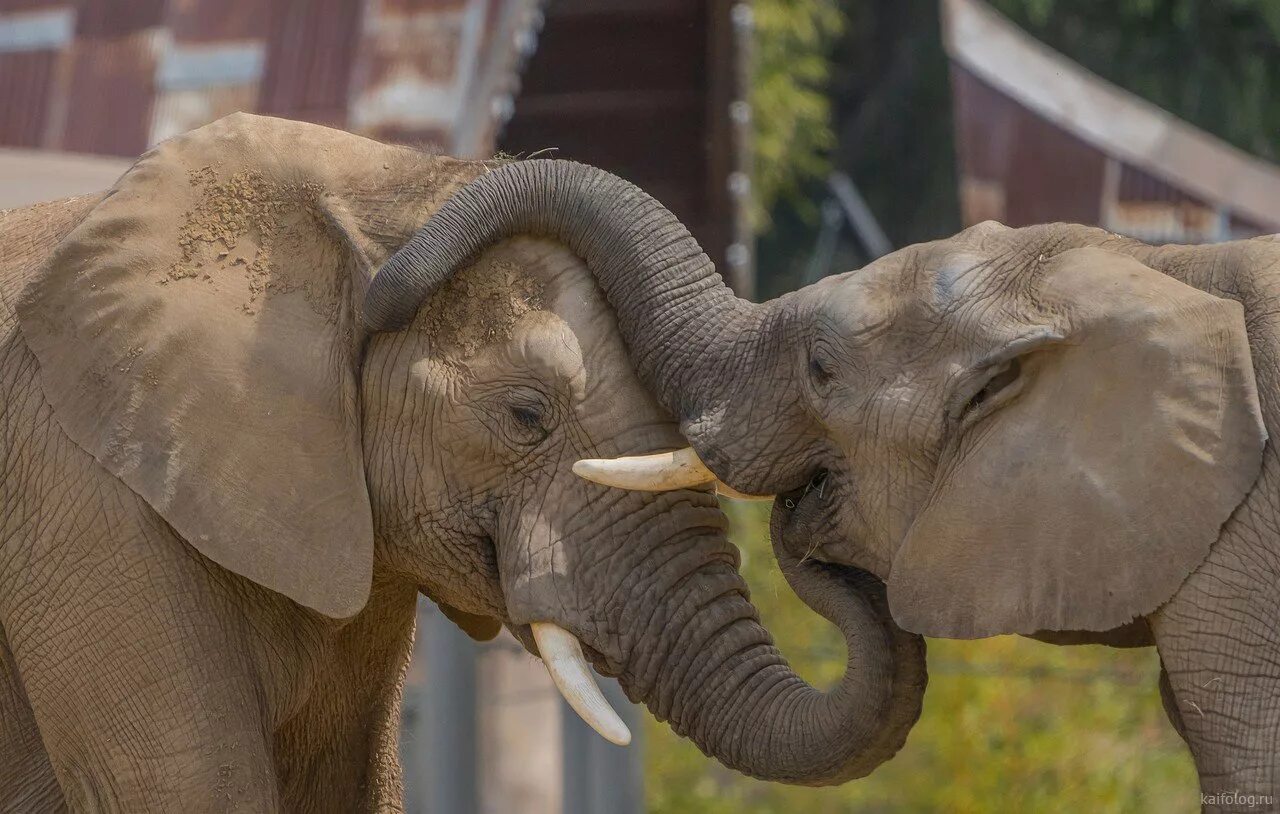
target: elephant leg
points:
(136, 662)
(137, 718)
(1219, 642)
(27, 781)
(1170, 704)
(355, 701)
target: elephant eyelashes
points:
(528, 423)
(1003, 378)
(527, 417)
(821, 375)
(998, 385)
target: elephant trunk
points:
(720, 681)
(694, 343)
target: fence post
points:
(439, 742)
(599, 776)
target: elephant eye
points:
(819, 371)
(527, 416)
(528, 426)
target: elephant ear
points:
(1088, 498)
(197, 335)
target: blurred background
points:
(796, 138)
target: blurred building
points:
(649, 89)
(115, 76)
(644, 88)
(1041, 139)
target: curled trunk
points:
(695, 344)
(718, 679)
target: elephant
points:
(1052, 431)
(225, 479)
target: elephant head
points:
(978, 422)
(240, 331)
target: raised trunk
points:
(694, 343)
(720, 681)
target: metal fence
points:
(485, 732)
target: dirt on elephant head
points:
(478, 307)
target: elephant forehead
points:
(857, 304)
(540, 347)
(545, 344)
(962, 276)
(897, 288)
(479, 306)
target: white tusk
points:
(563, 657)
(659, 472)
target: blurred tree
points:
(790, 98)
(889, 129)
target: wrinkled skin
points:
(1052, 431)
(221, 494)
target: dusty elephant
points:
(1051, 431)
(224, 485)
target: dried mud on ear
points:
(271, 234)
(478, 307)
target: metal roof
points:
(650, 89)
(116, 76)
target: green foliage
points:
(1008, 725)
(789, 96)
(891, 115)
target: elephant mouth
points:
(801, 509)
(570, 616)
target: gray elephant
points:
(1052, 431)
(224, 482)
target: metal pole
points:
(598, 776)
(439, 740)
(825, 248)
(864, 224)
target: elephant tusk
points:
(660, 472)
(562, 655)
